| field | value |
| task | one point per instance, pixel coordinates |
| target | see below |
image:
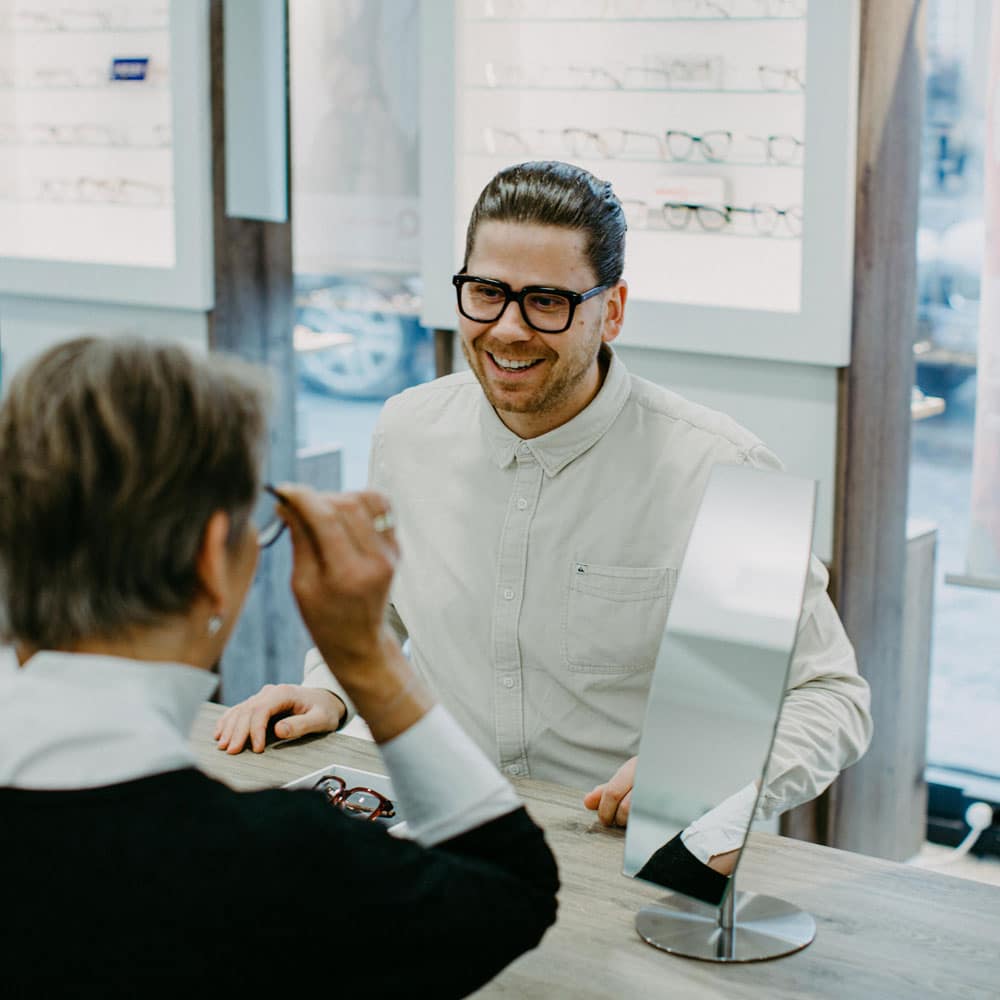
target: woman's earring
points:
(214, 624)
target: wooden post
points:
(444, 352)
(875, 806)
(253, 317)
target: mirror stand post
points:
(745, 927)
(727, 925)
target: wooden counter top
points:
(884, 930)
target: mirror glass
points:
(720, 678)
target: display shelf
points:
(47, 18)
(89, 88)
(720, 234)
(593, 162)
(95, 199)
(716, 91)
(138, 30)
(632, 20)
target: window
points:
(953, 460)
(356, 219)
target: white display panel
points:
(354, 94)
(727, 130)
(97, 201)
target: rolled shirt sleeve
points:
(825, 724)
(723, 828)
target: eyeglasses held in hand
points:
(547, 310)
(361, 803)
(265, 519)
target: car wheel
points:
(940, 381)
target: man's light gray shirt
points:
(536, 576)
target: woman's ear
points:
(212, 562)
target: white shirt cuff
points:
(444, 783)
(723, 828)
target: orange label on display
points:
(699, 190)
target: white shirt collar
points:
(555, 449)
(76, 720)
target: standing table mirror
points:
(712, 712)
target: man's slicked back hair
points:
(552, 193)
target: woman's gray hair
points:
(114, 454)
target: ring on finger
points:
(383, 522)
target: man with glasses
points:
(544, 500)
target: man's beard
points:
(549, 395)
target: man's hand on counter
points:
(305, 710)
(613, 799)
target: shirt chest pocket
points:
(613, 616)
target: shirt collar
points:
(77, 720)
(555, 449)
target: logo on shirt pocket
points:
(613, 616)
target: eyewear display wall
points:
(725, 126)
(78, 131)
(695, 110)
(95, 198)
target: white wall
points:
(792, 408)
(28, 325)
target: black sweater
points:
(176, 885)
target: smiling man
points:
(544, 500)
(533, 374)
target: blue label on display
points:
(129, 69)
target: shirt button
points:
(509, 682)
(514, 769)
(508, 594)
(521, 503)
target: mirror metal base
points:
(764, 927)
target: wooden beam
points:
(876, 806)
(253, 317)
(444, 352)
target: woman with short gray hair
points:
(129, 480)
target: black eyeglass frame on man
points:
(572, 298)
